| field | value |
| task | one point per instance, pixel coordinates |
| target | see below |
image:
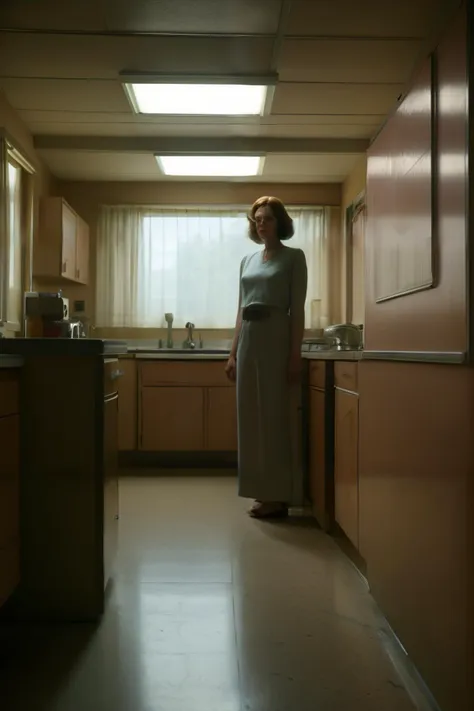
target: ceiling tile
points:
(309, 166)
(357, 61)
(84, 165)
(367, 18)
(63, 56)
(348, 99)
(59, 94)
(207, 16)
(49, 14)
(77, 165)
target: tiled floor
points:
(212, 611)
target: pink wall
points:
(433, 320)
(416, 466)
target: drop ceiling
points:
(342, 67)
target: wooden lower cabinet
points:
(111, 484)
(69, 497)
(317, 455)
(127, 406)
(346, 474)
(186, 407)
(221, 420)
(172, 419)
(9, 485)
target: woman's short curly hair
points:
(285, 228)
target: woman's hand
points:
(231, 369)
(294, 368)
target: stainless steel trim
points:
(447, 357)
(132, 77)
(111, 397)
(345, 390)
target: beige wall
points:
(43, 183)
(14, 126)
(352, 187)
(87, 197)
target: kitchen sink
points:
(180, 351)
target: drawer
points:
(345, 376)
(200, 373)
(317, 374)
(9, 393)
(112, 373)
(9, 571)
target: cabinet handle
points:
(77, 273)
(116, 374)
(64, 266)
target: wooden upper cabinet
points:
(82, 251)
(68, 242)
(62, 250)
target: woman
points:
(265, 358)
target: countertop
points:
(61, 347)
(224, 354)
(195, 355)
(26, 347)
(333, 355)
(10, 361)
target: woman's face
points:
(266, 224)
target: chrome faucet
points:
(189, 343)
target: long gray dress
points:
(266, 405)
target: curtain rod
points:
(192, 208)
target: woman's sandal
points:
(263, 510)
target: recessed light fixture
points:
(211, 166)
(199, 94)
(198, 99)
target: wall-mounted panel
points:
(400, 199)
(433, 319)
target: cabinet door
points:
(127, 388)
(9, 506)
(221, 420)
(68, 252)
(9, 480)
(317, 454)
(346, 474)
(172, 419)
(82, 251)
(111, 492)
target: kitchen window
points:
(16, 193)
(186, 261)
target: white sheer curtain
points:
(14, 283)
(153, 261)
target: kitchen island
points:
(9, 475)
(69, 477)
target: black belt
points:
(256, 312)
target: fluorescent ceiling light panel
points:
(210, 166)
(198, 99)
